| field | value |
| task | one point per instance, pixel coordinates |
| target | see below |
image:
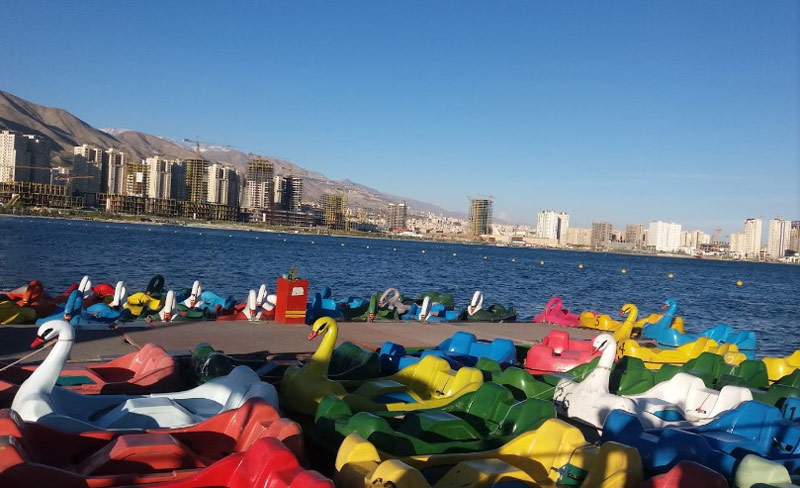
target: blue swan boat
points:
(462, 349)
(751, 428)
(97, 316)
(667, 337)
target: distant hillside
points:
(62, 131)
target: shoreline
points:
(242, 227)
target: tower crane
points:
(57, 178)
(197, 143)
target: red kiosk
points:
(292, 299)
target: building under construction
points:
(480, 216)
(334, 207)
(39, 194)
(163, 207)
(196, 180)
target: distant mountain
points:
(62, 131)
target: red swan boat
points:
(149, 370)
(201, 455)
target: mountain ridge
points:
(62, 130)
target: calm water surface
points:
(59, 252)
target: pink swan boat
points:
(554, 314)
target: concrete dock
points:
(269, 337)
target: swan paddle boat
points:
(108, 458)
(12, 313)
(729, 455)
(668, 337)
(484, 419)
(559, 353)
(149, 370)
(682, 400)
(594, 320)
(33, 296)
(430, 311)
(555, 314)
(462, 349)
(96, 317)
(475, 312)
(394, 303)
(259, 306)
(40, 400)
(655, 358)
(555, 453)
(267, 463)
(198, 299)
(148, 302)
(348, 362)
(429, 383)
(323, 305)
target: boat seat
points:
(558, 340)
(488, 399)
(141, 453)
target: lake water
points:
(59, 252)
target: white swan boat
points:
(682, 401)
(39, 400)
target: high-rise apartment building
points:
(634, 235)
(293, 193)
(23, 157)
(794, 236)
(398, 214)
(752, 238)
(223, 185)
(114, 161)
(159, 177)
(664, 236)
(177, 184)
(334, 207)
(552, 225)
(88, 161)
(778, 238)
(480, 216)
(694, 239)
(601, 234)
(736, 245)
(196, 180)
(258, 191)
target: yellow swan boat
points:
(302, 388)
(541, 457)
(429, 383)
(654, 357)
(592, 320)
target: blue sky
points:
(619, 111)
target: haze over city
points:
(646, 112)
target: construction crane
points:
(57, 178)
(197, 143)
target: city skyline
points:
(547, 105)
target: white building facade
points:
(752, 238)
(664, 236)
(778, 238)
(552, 225)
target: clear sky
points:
(620, 111)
